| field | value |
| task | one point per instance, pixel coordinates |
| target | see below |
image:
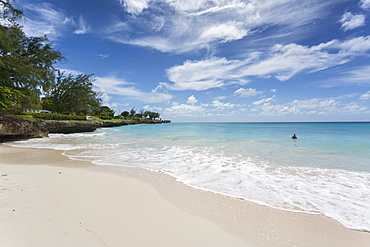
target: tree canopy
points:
(26, 63)
(71, 94)
(27, 70)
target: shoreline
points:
(152, 207)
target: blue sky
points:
(217, 60)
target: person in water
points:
(294, 136)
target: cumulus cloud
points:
(365, 96)
(192, 100)
(263, 100)
(181, 26)
(314, 106)
(114, 86)
(192, 109)
(245, 93)
(184, 110)
(222, 106)
(152, 108)
(135, 6)
(350, 21)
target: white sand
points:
(48, 200)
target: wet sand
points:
(48, 200)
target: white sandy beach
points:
(48, 200)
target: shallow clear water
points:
(326, 170)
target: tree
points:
(132, 112)
(105, 112)
(72, 94)
(26, 63)
(8, 12)
(9, 97)
(146, 114)
(125, 114)
(153, 115)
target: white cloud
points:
(353, 108)
(263, 100)
(220, 97)
(350, 21)
(103, 56)
(135, 6)
(152, 108)
(105, 97)
(216, 108)
(192, 100)
(223, 32)
(181, 26)
(281, 61)
(83, 28)
(285, 61)
(45, 20)
(222, 106)
(365, 4)
(355, 45)
(355, 76)
(202, 75)
(365, 96)
(249, 92)
(184, 110)
(116, 86)
(314, 106)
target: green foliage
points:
(105, 117)
(104, 112)
(143, 116)
(153, 115)
(132, 112)
(9, 97)
(72, 94)
(54, 116)
(25, 116)
(26, 63)
(125, 114)
(8, 11)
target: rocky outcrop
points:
(17, 128)
(21, 128)
(66, 127)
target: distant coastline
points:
(12, 127)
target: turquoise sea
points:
(325, 171)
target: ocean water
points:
(325, 171)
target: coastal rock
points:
(66, 127)
(17, 128)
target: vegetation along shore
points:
(31, 84)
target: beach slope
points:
(48, 200)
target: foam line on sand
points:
(48, 200)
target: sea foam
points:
(257, 169)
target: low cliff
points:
(21, 128)
(15, 128)
(65, 127)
